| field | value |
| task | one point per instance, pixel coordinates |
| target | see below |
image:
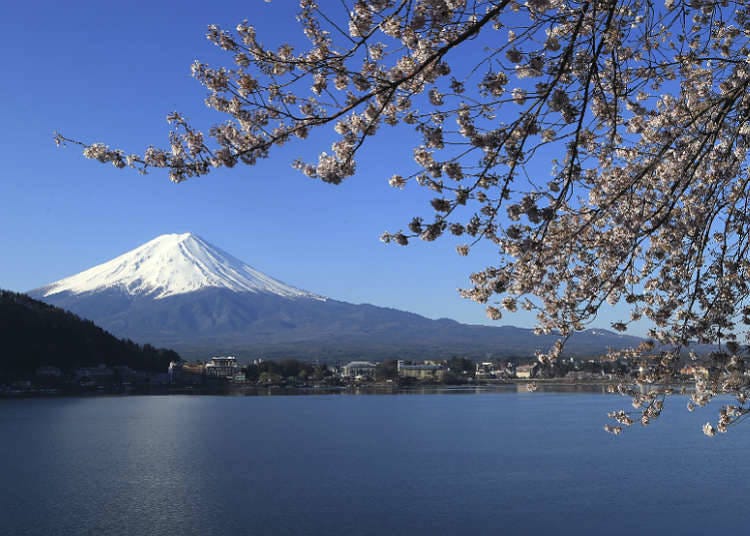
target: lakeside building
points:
(583, 375)
(359, 370)
(183, 373)
(524, 371)
(222, 367)
(488, 370)
(427, 370)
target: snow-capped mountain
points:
(179, 291)
(172, 264)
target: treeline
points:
(288, 370)
(34, 334)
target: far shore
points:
(552, 385)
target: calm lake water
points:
(495, 463)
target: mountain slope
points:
(35, 333)
(180, 291)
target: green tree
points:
(462, 366)
(387, 370)
(269, 378)
(36, 334)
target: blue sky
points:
(111, 72)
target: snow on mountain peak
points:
(173, 264)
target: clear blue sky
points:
(110, 72)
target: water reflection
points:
(514, 387)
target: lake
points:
(492, 463)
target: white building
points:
(359, 369)
(423, 371)
(524, 371)
(222, 367)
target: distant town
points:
(228, 374)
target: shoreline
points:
(509, 386)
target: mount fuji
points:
(182, 292)
(170, 265)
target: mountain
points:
(180, 291)
(35, 334)
(169, 265)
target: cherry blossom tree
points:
(640, 108)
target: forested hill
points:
(33, 334)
